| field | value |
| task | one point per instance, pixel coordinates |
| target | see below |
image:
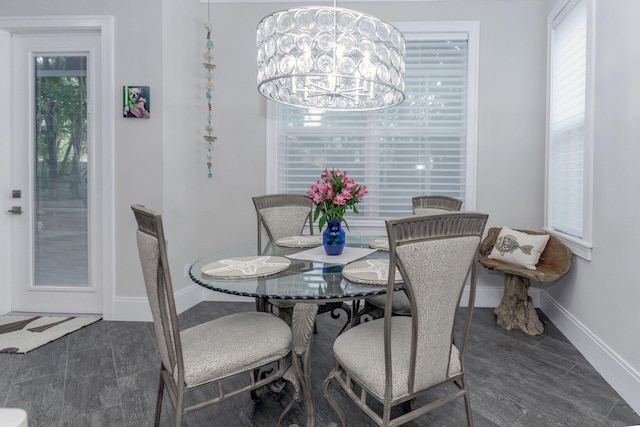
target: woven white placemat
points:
(245, 267)
(370, 272)
(300, 241)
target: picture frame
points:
(136, 101)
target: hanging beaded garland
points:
(209, 67)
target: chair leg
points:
(467, 407)
(467, 402)
(355, 307)
(331, 400)
(291, 377)
(410, 405)
(159, 398)
(179, 405)
(256, 394)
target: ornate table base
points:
(304, 318)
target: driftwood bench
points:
(516, 310)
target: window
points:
(568, 204)
(426, 145)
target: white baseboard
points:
(136, 309)
(131, 309)
(614, 369)
(486, 296)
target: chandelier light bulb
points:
(330, 58)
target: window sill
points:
(579, 247)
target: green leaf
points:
(321, 222)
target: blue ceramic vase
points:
(333, 237)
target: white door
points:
(53, 138)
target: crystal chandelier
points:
(330, 58)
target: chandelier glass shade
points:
(330, 58)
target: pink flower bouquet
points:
(333, 194)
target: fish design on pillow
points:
(508, 243)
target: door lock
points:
(16, 210)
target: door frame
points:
(103, 229)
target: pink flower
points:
(346, 193)
(349, 184)
(317, 198)
(362, 192)
(340, 199)
(328, 192)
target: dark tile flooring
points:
(106, 375)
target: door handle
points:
(16, 210)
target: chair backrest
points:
(157, 279)
(282, 215)
(430, 205)
(434, 254)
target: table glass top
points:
(307, 280)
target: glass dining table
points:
(306, 283)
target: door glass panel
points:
(60, 226)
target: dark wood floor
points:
(106, 375)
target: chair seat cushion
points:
(232, 344)
(360, 351)
(400, 303)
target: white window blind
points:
(414, 149)
(567, 121)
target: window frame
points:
(421, 30)
(580, 246)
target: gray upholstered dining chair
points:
(250, 344)
(434, 204)
(396, 359)
(282, 215)
(422, 205)
(286, 215)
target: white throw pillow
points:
(521, 249)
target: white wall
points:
(184, 180)
(596, 305)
